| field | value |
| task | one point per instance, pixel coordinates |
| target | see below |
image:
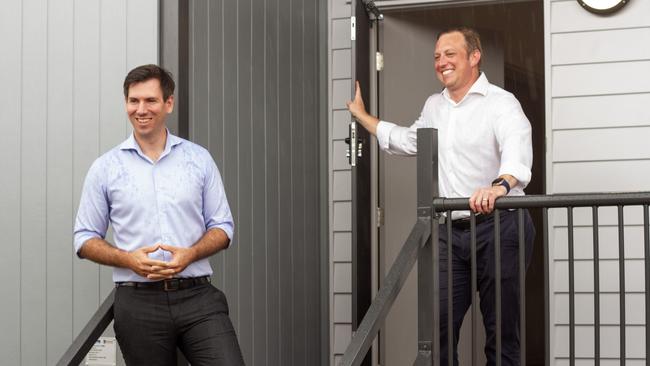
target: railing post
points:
(89, 334)
(428, 257)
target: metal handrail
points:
(89, 335)
(551, 201)
(393, 283)
(429, 208)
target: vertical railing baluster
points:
(429, 258)
(497, 283)
(621, 283)
(646, 249)
(572, 321)
(450, 295)
(522, 288)
(427, 275)
(435, 277)
(475, 308)
(547, 291)
(596, 250)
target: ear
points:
(169, 104)
(474, 58)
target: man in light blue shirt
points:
(164, 197)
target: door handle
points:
(354, 149)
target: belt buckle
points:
(171, 284)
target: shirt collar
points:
(132, 144)
(480, 86)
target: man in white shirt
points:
(484, 152)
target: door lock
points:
(354, 149)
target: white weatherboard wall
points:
(598, 123)
(339, 172)
(61, 69)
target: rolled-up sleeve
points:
(93, 214)
(513, 133)
(383, 134)
(216, 211)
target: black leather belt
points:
(171, 284)
(464, 223)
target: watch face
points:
(602, 6)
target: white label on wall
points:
(103, 353)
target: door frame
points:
(370, 94)
(359, 158)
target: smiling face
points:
(147, 109)
(455, 69)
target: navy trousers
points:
(462, 294)
(150, 324)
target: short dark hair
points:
(472, 39)
(148, 72)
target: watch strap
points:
(502, 182)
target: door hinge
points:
(353, 28)
(379, 61)
(380, 217)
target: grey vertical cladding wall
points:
(597, 94)
(339, 82)
(61, 106)
(253, 83)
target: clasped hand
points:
(159, 270)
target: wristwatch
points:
(501, 182)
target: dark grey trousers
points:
(462, 294)
(150, 324)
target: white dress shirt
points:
(483, 136)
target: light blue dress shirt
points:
(172, 201)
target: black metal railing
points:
(419, 247)
(97, 324)
(75, 354)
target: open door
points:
(513, 59)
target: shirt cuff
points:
(82, 237)
(383, 134)
(227, 228)
(520, 171)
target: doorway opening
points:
(513, 58)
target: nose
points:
(437, 65)
(442, 60)
(141, 108)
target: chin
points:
(143, 132)
(445, 82)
